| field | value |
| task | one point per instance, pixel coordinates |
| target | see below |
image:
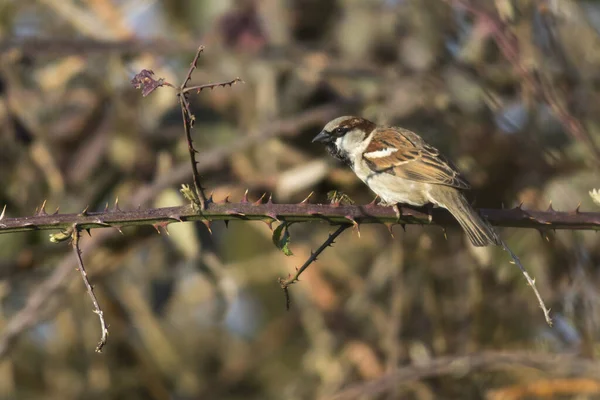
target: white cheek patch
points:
(381, 153)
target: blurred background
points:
(508, 90)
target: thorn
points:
(403, 227)
(88, 232)
(3, 212)
(445, 233)
(99, 221)
(305, 201)
(245, 198)
(270, 200)
(84, 212)
(269, 223)
(116, 207)
(390, 227)
(118, 228)
(42, 209)
(259, 201)
(519, 207)
(355, 225)
(374, 202)
(226, 223)
(541, 233)
(550, 206)
(210, 198)
(226, 199)
(207, 224)
(576, 208)
(157, 227)
(56, 211)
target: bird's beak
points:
(323, 137)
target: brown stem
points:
(90, 289)
(333, 214)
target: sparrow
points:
(401, 168)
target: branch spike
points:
(226, 223)
(207, 224)
(390, 228)
(445, 233)
(106, 207)
(88, 232)
(403, 227)
(56, 211)
(83, 213)
(270, 200)
(245, 198)
(305, 201)
(577, 208)
(550, 206)
(3, 213)
(116, 207)
(157, 227)
(259, 201)
(374, 202)
(226, 200)
(118, 228)
(42, 210)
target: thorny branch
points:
(269, 212)
(146, 82)
(285, 283)
(530, 282)
(90, 289)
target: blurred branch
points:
(303, 212)
(64, 46)
(509, 45)
(461, 365)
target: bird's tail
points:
(479, 231)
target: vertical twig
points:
(90, 289)
(188, 123)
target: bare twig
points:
(211, 86)
(90, 289)
(146, 82)
(285, 283)
(188, 124)
(530, 281)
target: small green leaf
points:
(281, 238)
(61, 236)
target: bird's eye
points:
(340, 131)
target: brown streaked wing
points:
(415, 160)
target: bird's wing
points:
(403, 153)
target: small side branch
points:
(90, 289)
(530, 281)
(285, 283)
